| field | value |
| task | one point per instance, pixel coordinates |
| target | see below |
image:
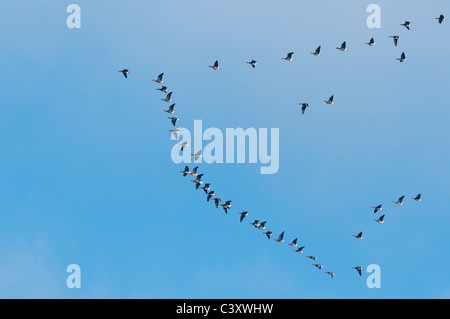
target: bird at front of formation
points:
(377, 208)
(417, 198)
(343, 47)
(159, 79)
(441, 18)
(280, 238)
(330, 273)
(304, 106)
(330, 100)
(317, 52)
(215, 66)
(253, 63)
(243, 215)
(173, 120)
(358, 236)
(395, 37)
(167, 98)
(170, 110)
(289, 57)
(402, 58)
(299, 250)
(125, 72)
(358, 269)
(371, 42)
(407, 24)
(399, 201)
(380, 219)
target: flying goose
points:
(289, 57)
(358, 269)
(417, 198)
(318, 266)
(167, 99)
(216, 201)
(299, 250)
(380, 219)
(317, 52)
(304, 106)
(175, 132)
(407, 24)
(330, 273)
(312, 257)
(125, 72)
(371, 42)
(253, 63)
(159, 79)
(226, 206)
(163, 89)
(215, 66)
(441, 18)
(170, 110)
(377, 208)
(343, 47)
(280, 238)
(183, 145)
(206, 188)
(194, 172)
(255, 223)
(186, 171)
(294, 243)
(359, 236)
(395, 37)
(402, 57)
(243, 214)
(330, 100)
(268, 233)
(261, 225)
(198, 180)
(173, 120)
(399, 201)
(210, 194)
(197, 155)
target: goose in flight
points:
(173, 120)
(371, 42)
(163, 89)
(261, 226)
(330, 273)
(402, 58)
(318, 266)
(358, 269)
(399, 201)
(216, 201)
(441, 18)
(253, 63)
(359, 236)
(294, 243)
(194, 171)
(243, 214)
(206, 188)
(330, 100)
(317, 52)
(289, 57)
(417, 198)
(304, 106)
(407, 24)
(125, 72)
(183, 145)
(198, 180)
(299, 250)
(312, 257)
(167, 98)
(186, 171)
(175, 133)
(170, 110)
(395, 37)
(280, 238)
(215, 66)
(380, 219)
(377, 208)
(226, 206)
(268, 233)
(159, 79)
(197, 155)
(210, 194)
(255, 223)
(343, 47)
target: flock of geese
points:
(226, 206)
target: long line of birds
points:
(227, 204)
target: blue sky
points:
(87, 177)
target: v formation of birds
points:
(227, 204)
